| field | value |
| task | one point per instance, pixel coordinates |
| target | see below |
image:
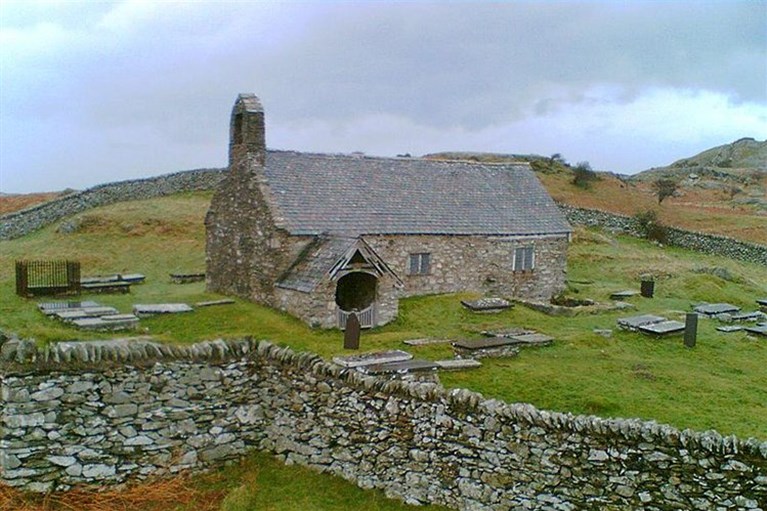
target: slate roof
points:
(349, 195)
(314, 262)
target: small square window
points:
(420, 264)
(524, 258)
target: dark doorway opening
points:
(356, 290)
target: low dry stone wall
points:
(701, 242)
(104, 414)
(20, 223)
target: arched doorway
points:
(356, 291)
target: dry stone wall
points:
(20, 223)
(103, 414)
(700, 242)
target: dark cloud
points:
(116, 89)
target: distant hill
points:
(740, 161)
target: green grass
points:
(266, 484)
(720, 384)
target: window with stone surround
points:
(524, 258)
(420, 264)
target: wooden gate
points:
(47, 277)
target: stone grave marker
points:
(352, 332)
(50, 308)
(729, 328)
(407, 366)
(487, 305)
(458, 364)
(485, 348)
(426, 342)
(760, 329)
(142, 310)
(762, 303)
(748, 316)
(375, 357)
(622, 295)
(85, 312)
(661, 328)
(533, 339)
(224, 301)
(714, 309)
(634, 322)
(690, 329)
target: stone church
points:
(321, 235)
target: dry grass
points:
(176, 493)
(11, 203)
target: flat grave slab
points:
(508, 333)
(762, 301)
(407, 366)
(712, 309)
(478, 344)
(729, 328)
(663, 328)
(487, 304)
(86, 312)
(758, 330)
(144, 309)
(372, 358)
(107, 287)
(186, 278)
(426, 342)
(748, 316)
(622, 295)
(533, 339)
(458, 364)
(225, 301)
(118, 322)
(49, 308)
(634, 322)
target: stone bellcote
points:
(247, 135)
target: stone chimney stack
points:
(247, 137)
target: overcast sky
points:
(92, 92)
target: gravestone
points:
(647, 288)
(352, 333)
(690, 329)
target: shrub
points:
(583, 175)
(649, 226)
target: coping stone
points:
(663, 327)
(712, 309)
(372, 358)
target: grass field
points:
(720, 384)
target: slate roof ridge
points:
(361, 156)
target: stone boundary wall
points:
(20, 223)
(95, 413)
(700, 242)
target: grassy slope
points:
(710, 211)
(721, 384)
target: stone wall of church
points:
(481, 264)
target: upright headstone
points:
(690, 329)
(352, 333)
(647, 287)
